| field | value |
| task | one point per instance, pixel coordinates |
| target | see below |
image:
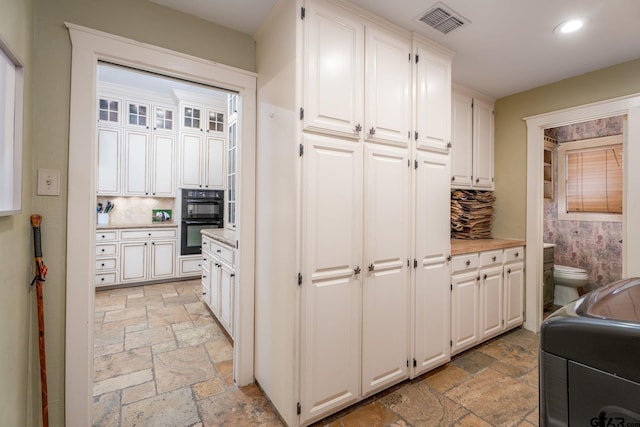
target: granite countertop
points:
(223, 235)
(460, 246)
(165, 224)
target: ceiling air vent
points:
(443, 18)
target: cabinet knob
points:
(468, 262)
(509, 271)
(204, 276)
(232, 275)
(453, 178)
(102, 250)
(149, 234)
(372, 267)
(372, 131)
(477, 180)
(102, 279)
(102, 265)
(478, 279)
(204, 259)
(204, 243)
(358, 128)
(218, 250)
(103, 236)
(494, 259)
(204, 293)
(356, 270)
(484, 277)
(516, 254)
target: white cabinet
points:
(514, 287)
(202, 161)
(109, 147)
(333, 73)
(346, 57)
(487, 295)
(147, 254)
(106, 267)
(136, 154)
(472, 141)
(218, 281)
(385, 287)
(433, 97)
(387, 96)
(337, 201)
(432, 248)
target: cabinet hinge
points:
(301, 113)
(450, 343)
(472, 103)
(451, 285)
(415, 263)
(491, 179)
(408, 134)
(408, 163)
(415, 364)
(237, 245)
(407, 363)
(408, 263)
(409, 56)
(415, 164)
(302, 12)
(417, 58)
(298, 406)
(502, 322)
(416, 135)
(299, 279)
(301, 150)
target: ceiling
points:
(509, 46)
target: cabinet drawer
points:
(514, 254)
(190, 267)
(106, 249)
(105, 236)
(105, 279)
(105, 264)
(490, 258)
(148, 234)
(223, 252)
(464, 262)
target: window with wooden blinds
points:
(590, 175)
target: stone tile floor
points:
(162, 360)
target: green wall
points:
(19, 377)
(136, 19)
(511, 133)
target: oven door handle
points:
(204, 222)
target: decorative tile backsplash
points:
(593, 246)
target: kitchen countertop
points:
(223, 235)
(166, 224)
(460, 246)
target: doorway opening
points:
(88, 48)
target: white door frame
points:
(627, 105)
(88, 47)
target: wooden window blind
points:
(594, 179)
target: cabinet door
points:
(215, 286)
(333, 70)
(133, 262)
(385, 291)
(491, 301)
(227, 276)
(108, 161)
(482, 145)
(433, 100)
(215, 172)
(388, 88)
(163, 259)
(206, 281)
(136, 154)
(331, 291)
(432, 247)
(461, 140)
(514, 295)
(163, 180)
(465, 300)
(191, 161)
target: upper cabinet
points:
(356, 77)
(433, 97)
(472, 141)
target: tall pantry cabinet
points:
(351, 266)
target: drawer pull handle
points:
(102, 279)
(204, 276)
(102, 250)
(102, 264)
(218, 250)
(103, 236)
(232, 275)
(468, 262)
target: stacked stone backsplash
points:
(594, 246)
(136, 210)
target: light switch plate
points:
(48, 182)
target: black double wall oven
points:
(200, 209)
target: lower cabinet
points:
(135, 255)
(218, 280)
(487, 295)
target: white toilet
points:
(567, 281)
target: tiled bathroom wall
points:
(594, 246)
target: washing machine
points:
(590, 360)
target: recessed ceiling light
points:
(569, 26)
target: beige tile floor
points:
(162, 360)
